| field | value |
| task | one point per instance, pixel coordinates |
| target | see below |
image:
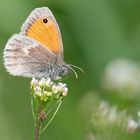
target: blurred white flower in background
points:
(90, 136)
(106, 122)
(122, 75)
(132, 126)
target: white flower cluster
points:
(106, 121)
(109, 115)
(111, 122)
(123, 75)
(46, 88)
(133, 125)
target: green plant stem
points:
(32, 108)
(37, 129)
(37, 125)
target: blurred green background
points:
(94, 32)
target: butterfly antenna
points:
(73, 71)
(77, 68)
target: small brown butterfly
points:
(37, 51)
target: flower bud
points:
(65, 91)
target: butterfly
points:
(37, 51)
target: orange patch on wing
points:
(45, 33)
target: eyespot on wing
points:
(43, 28)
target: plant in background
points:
(123, 76)
(46, 99)
(106, 122)
(133, 125)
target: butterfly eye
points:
(45, 20)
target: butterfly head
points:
(64, 70)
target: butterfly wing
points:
(42, 27)
(25, 57)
